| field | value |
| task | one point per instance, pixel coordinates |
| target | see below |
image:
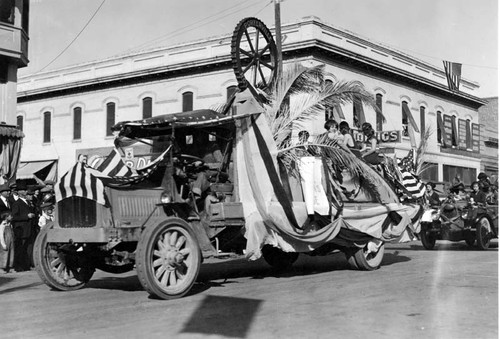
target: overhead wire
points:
(75, 38)
(197, 23)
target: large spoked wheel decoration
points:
(55, 268)
(366, 258)
(253, 54)
(168, 259)
(483, 233)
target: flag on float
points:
(453, 73)
(87, 182)
(410, 181)
(80, 182)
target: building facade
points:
(69, 111)
(488, 120)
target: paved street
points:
(451, 292)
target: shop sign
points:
(382, 136)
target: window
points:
(454, 134)
(20, 122)
(358, 114)
(468, 139)
(467, 175)
(110, 118)
(147, 108)
(439, 129)
(404, 118)
(77, 123)
(46, 127)
(380, 116)
(7, 8)
(422, 121)
(187, 101)
(429, 172)
(230, 91)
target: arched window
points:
(187, 101)
(46, 127)
(404, 118)
(422, 121)
(380, 116)
(77, 123)
(147, 107)
(110, 117)
(20, 122)
(439, 129)
(230, 91)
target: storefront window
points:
(465, 174)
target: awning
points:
(43, 170)
(10, 131)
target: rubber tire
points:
(277, 258)
(358, 259)
(483, 228)
(470, 240)
(427, 239)
(46, 259)
(149, 243)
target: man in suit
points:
(22, 219)
(4, 199)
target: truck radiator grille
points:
(76, 212)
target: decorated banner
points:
(382, 136)
(462, 134)
(448, 130)
(475, 138)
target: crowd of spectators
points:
(24, 210)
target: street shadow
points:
(19, 288)
(393, 258)
(212, 316)
(127, 284)
(450, 246)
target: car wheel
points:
(483, 233)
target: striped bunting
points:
(80, 182)
(87, 182)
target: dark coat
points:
(3, 207)
(20, 221)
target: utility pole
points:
(277, 29)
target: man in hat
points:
(22, 217)
(4, 198)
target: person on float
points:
(345, 131)
(369, 152)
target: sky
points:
(69, 32)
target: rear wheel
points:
(277, 258)
(168, 259)
(483, 233)
(365, 259)
(428, 238)
(55, 267)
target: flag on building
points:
(453, 72)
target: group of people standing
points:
(23, 211)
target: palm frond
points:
(421, 151)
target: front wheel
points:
(366, 259)
(55, 266)
(168, 259)
(428, 238)
(483, 233)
